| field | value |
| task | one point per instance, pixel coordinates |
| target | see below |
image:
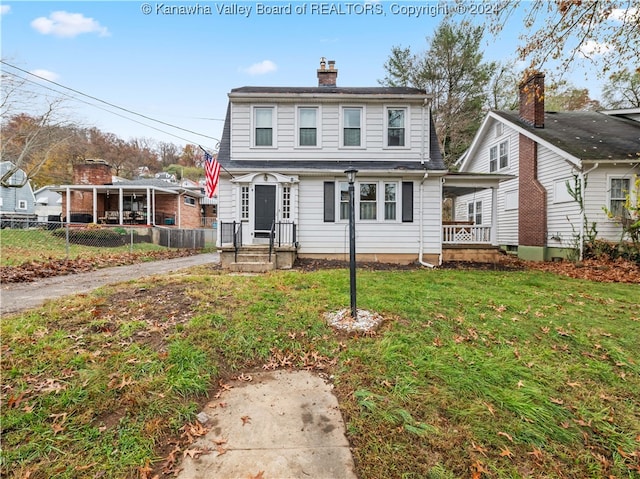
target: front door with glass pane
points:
(265, 209)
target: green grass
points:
(19, 246)
(518, 374)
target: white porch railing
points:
(466, 234)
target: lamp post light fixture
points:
(351, 177)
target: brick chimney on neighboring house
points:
(532, 224)
(327, 76)
(92, 172)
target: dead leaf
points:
(260, 475)
(508, 436)
(505, 452)
(245, 420)
(520, 384)
(556, 400)
(477, 468)
(245, 377)
(536, 453)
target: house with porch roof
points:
(550, 155)
(283, 189)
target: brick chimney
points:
(92, 172)
(532, 100)
(327, 76)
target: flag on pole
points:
(212, 174)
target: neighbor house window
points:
(390, 200)
(344, 200)
(188, 200)
(263, 122)
(395, 127)
(286, 202)
(352, 126)
(308, 126)
(244, 203)
(475, 212)
(499, 156)
(619, 189)
(368, 201)
(22, 204)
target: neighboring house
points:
(94, 198)
(164, 176)
(284, 152)
(48, 204)
(547, 152)
(16, 200)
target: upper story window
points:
(499, 129)
(396, 126)
(22, 205)
(263, 124)
(499, 156)
(352, 126)
(618, 191)
(308, 126)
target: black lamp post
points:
(351, 177)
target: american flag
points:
(212, 173)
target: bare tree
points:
(27, 139)
(622, 90)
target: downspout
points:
(582, 175)
(420, 235)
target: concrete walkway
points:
(15, 297)
(270, 425)
(277, 425)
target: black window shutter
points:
(329, 202)
(407, 201)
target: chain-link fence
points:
(28, 240)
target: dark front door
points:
(265, 210)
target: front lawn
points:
(473, 374)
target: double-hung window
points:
(368, 201)
(475, 212)
(619, 188)
(263, 124)
(395, 126)
(308, 126)
(390, 200)
(352, 126)
(499, 156)
(344, 200)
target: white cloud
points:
(46, 74)
(261, 68)
(4, 9)
(591, 47)
(625, 14)
(68, 25)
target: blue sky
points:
(178, 68)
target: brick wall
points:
(97, 173)
(169, 205)
(532, 100)
(532, 224)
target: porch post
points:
(95, 205)
(120, 205)
(68, 198)
(148, 206)
(494, 216)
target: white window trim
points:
(406, 127)
(619, 177)
(496, 145)
(245, 213)
(22, 205)
(475, 203)
(380, 201)
(274, 127)
(318, 144)
(187, 200)
(363, 132)
(499, 129)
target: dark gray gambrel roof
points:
(587, 135)
(435, 162)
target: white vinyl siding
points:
(372, 237)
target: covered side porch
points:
(470, 212)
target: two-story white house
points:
(284, 153)
(553, 156)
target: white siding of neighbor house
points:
(316, 236)
(507, 218)
(598, 184)
(329, 137)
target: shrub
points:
(98, 237)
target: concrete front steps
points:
(255, 258)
